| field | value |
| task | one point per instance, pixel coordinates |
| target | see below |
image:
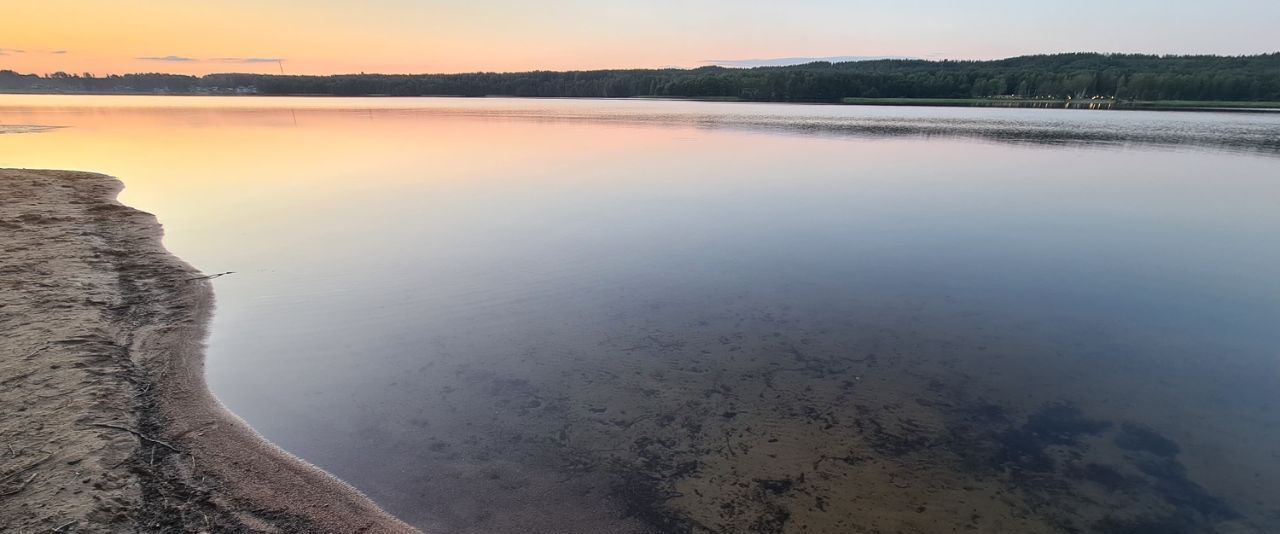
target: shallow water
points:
(504, 315)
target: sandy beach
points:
(108, 425)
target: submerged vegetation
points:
(1124, 77)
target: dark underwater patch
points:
(1048, 460)
(1024, 447)
(1103, 475)
(1171, 483)
(1135, 437)
(1142, 525)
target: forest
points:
(1125, 77)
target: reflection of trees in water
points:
(1259, 139)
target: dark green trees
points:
(1083, 75)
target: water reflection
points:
(519, 316)
(1239, 130)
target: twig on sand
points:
(211, 276)
(33, 353)
(18, 489)
(26, 468)
(69, 523)
(140, 435)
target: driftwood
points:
(140, 435)
(210, 277)
(24, 469)
(19, 489)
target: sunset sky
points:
(401, 36)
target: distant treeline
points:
(1083, 75)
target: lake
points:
(504, 315)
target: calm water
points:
(623, 316)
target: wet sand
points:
(108, 425)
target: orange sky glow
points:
(408, 36)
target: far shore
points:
(1030, 103)
(109, 426)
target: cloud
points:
(7, 51)
(249, 59)
(176, 59)
(239, 60)
(784, 61)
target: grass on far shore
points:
(1085, 102)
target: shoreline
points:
(1238, 106)
(114, 427)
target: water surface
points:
(503, 315)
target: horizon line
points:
(722, 63)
